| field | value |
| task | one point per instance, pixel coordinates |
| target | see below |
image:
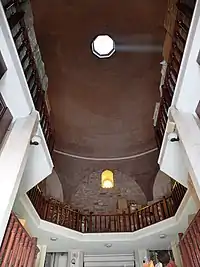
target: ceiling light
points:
(107, 180)
(103, 46)
(53, 238)
(108, 245)
(162, 236)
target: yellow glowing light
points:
(107, 180)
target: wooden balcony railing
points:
(181, 31)
(15, 17)
(5, 118)
(18, 248)
(189, 244)
(60, 213)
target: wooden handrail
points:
(189, 243)
(60, 213)
(15, 17)
(18, 248)
(181, 30)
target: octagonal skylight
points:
(103, 46)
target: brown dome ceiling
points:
(101, 108)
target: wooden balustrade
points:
(5, 118)
(18, 248)
(181, 30)
(15, 17)
(189, 244)
(60, 213)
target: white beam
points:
(13, 157)
(189, 134)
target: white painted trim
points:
(40, 261)
(106, 159)
(13, 157)
(189, 134)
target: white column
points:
(140, 255)
(75, 258)
(176, 253)
(40, 261)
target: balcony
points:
(62, 214)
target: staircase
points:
(17, 248)
(182, 26)
(62, 214)
(189, 243)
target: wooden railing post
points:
(124, 222)
(165, 208)
(15, 249)
(90, 222)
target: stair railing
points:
(189, 243)
(62, 214)
(182, 25)
(15, 17)
(18, 248)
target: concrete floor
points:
(101, 108)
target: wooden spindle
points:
(165, 208)
(124, 221)
(85, 224)
(7, 235)
(186, 244)
(137, 220)
(10, 244)
(115, 223)
(16, 246)
(32, 253)
(194, 242)
(20, 249)
(100, 223)
(95, 223)
(90, 223)
(24, 249)
(129, 221)
(185, 257)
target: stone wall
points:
(29, 21)
(90, 197)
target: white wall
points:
(162, 186)
(39, 165)
(173, 163)
(54, 187)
